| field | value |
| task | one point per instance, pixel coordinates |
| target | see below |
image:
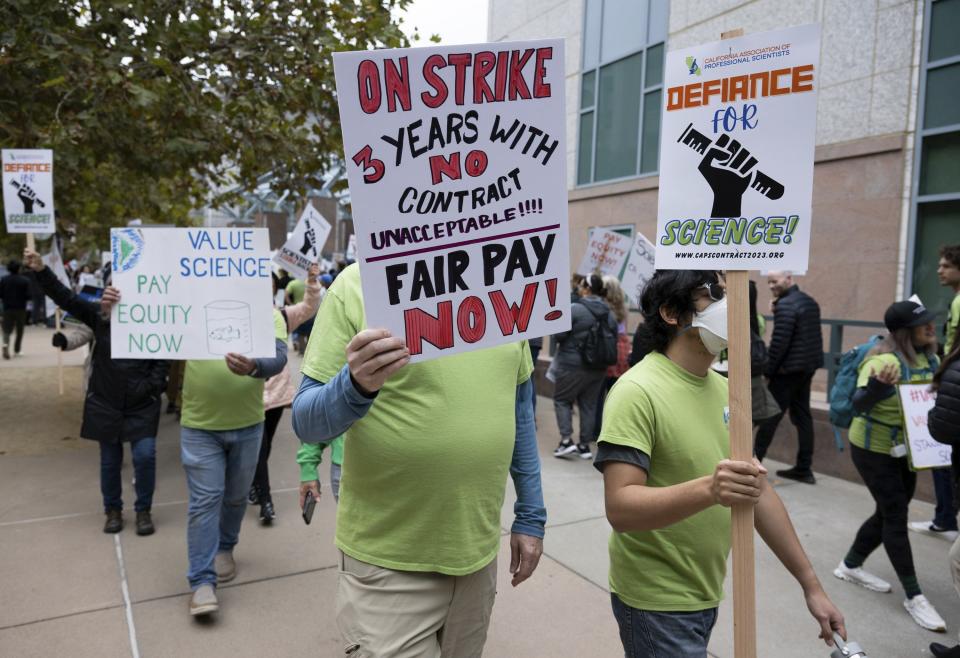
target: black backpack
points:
(598, 349)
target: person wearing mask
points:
(575, 382)
(669, 483)
(122, 403)
(794, 355)
(14, 293)
(878, 450)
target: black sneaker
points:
(583, 449)
(267, 513)
(797, 474)
(943, 651)
(254, 496)
(144, 523)
(114, 521)
(565, 448)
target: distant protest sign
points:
(606, 253)
(303, 248)
(28, 190)
(456, 159)
(736, 152)
(640, 269)
(191, 293)
(916, 401)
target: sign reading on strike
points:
(606, 253)
(456, 160)
(28, 190)
(916, 401)
(303, 248)
(736, 152)
(191, 293)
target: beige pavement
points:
(68, 589)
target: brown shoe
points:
(144, 523)
(225, 567)
(114, 521)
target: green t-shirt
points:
(215, 399)
(953, 319)
(297, 289)
(886, 411)
(680, 421)
(424, 471)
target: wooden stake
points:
(31, 242)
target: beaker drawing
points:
(228, 327)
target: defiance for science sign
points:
(456, 159)
(736, 153)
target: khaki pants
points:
(382, 613)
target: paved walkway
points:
(68, 589)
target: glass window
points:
(650, 141)
(940, 164)
(938, 224)
(654, 73)
(942, 105)
(944, 28)
(587, 90)
(657, 24)
(585, 152)
(624, 28)
(618, 114)
(591, 33)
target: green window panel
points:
(940, 164)
(618, 114)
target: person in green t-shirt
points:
(878, 451)
(669, 483)
(221, 428)
(426, 453)
(948, 271)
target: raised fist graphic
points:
(28, 197)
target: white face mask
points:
(712, 322)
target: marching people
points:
(122, 402)
(14, 293)
(878, 450)
(427, 449)
(669, 482)
(576, 382)
(794, 355)
(616, 301)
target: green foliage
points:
(151, 106)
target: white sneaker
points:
(565, 448)
(860, 577)
(930, 528)
(924, 614)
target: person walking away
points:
(794, 355)
(575, 381)
(616, 301)
(121, 405)
(669, 483)
(878, 450)
(221, 425)
(427, 449)
(944, 523)
(14, 293)
(278, 393)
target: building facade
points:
(887, 166)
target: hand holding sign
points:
(33, 260)
(111, 296)
(373, 356)
(736, 482)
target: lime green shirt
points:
(424, 471)
(310, 456)
(953, 319)
(887, 411)
(297, 289)
(680, 421)
(215, 399)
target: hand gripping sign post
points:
(303, 248)
(456, 162)
(191, 293)
(736, 184)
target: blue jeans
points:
(946, 515)
(647, 634)
(144, 452)
(220, 467)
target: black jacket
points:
(582, 319)
(944, 419)
(123, 395)
(797, 342)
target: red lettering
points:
(368, 86)
(460, 63)
(511, 317)
(483, 63)
(398, 84)
(540, 88)
(472, 319)
(420, 326)
(440, 167)
(364, 158)
(518, 86)
(500, 80)
(476, 163)
(432, 78)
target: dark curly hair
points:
(673, 289)
(951, 253)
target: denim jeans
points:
(946, 515)
(646, 634)
(220, 467)
(144, 452)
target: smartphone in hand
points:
(308, 504)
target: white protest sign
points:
(916, 401)
(640, 268)
(352, 247)
(303, 247)
(736, 152)
(606, 252)
(28, 190)
(456, 158)
(191, 293)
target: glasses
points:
(715, 290)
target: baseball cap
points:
(903, 315)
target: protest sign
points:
(640, 268)
(28, 190)
(352, 247)
(456, 158)
(191, 293)
(606, 253)
(54, 261)
(303, 247)
(916, 401)
(736, 152)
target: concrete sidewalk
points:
(68, 589)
